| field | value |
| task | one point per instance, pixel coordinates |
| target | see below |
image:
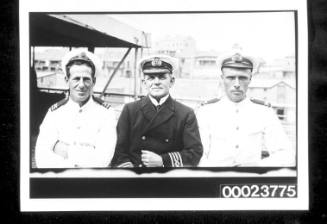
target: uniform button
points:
(80, 110)
(74, 143)
(237, 127)
(166, 140)
(143, 137)
(78, 127)
(236, 146)
(140, 165)
(236, 110)
(75, 165)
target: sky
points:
(268, 35)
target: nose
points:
(236, 83)
(156, 80)
(81, 83)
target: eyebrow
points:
(82, 77)
(233, 75)
(156, 75)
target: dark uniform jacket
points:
(171, 132)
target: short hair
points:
(80, 62)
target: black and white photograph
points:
(145, 108)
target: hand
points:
(151, 159)
(61, 149)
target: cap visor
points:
(237, 66)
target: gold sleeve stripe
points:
(171, 159)
(177, 163)
(176, 159)
(180, 159)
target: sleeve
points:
(47, 139)
(102, 153)
(121, 154)
(192, 151)
(204, 129)
(277, 143)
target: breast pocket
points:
(253, 140)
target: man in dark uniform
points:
(157, 131)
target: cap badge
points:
(237, 58)
(156, 62)
(83, 55)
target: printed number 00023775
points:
(258, 191)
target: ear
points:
(222, 73)
(143, 81)
(172, 81)
(94, 80)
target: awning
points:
(84, 30)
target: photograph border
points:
(48, 180)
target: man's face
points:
(236, 82)
(158, 85)
(80, 83)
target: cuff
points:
(172, 159)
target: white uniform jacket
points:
(236, 134)
(90, 125)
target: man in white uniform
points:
(78, 131)
(239, 131)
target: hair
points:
(80, 62)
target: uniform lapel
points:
(148, 109)
(157, 118)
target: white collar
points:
(161, 101)
(226, 100)
(76, 106)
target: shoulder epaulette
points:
(59, 104)
(214, 100)
(101, 102)
(261, 102)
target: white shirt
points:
(161, 101)
(235, 134)
(90, 131)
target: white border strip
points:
(300, 203)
